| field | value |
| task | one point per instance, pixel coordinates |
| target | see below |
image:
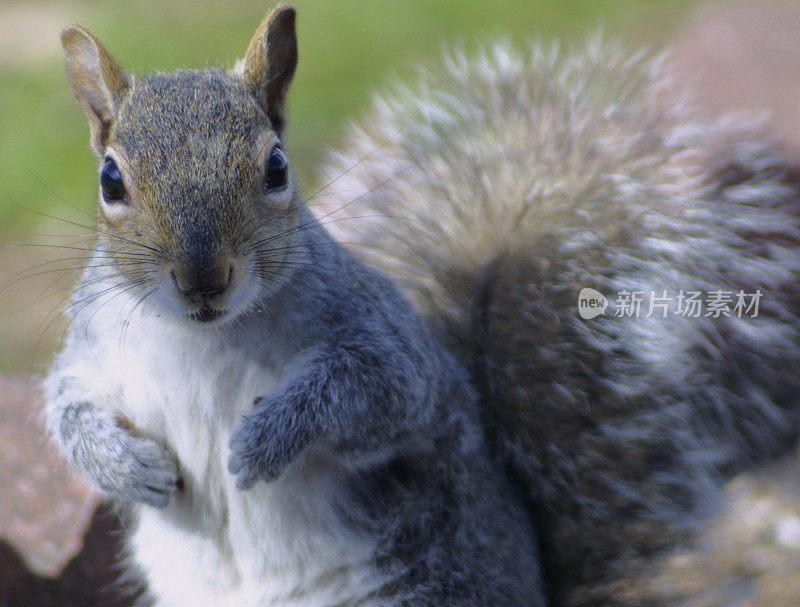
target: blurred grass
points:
(347, 50)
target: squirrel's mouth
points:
(206, 314)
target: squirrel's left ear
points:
(269, 63)
(98, 82)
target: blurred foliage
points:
(347, 49)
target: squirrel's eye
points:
(277, 170)
(111, 182)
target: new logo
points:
(591, 303)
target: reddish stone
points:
(745, 55)
(44, 508)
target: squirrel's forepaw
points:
(143, 472)
(264, 444)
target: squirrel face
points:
(197, 204)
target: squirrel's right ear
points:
(98, 82)
(269, 63)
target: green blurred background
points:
(347, 50)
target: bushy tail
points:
(498, 189)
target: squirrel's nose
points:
(201, 285)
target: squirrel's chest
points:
(188, 391)
(277, 543)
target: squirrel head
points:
(197, 205)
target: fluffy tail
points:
(498, 189)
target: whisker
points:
(57, 313)
(21, 275)
(57, 195)
(358, 163)
(75, 289)
(318, 221)
(157, 252)
(128, 318)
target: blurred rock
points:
(745, 55)
(44, 508)
(91, 579)
(57, 545)
(740, 558)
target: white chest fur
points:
(278, 543)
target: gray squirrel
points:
(292, 426)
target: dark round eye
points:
(111, 182)
(277, 170)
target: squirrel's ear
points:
(96, 79)
(269, 63)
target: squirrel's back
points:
(499, 188)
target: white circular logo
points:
(591, 303)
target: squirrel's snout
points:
(200, 286)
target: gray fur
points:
(122, 466)
(502, 434)
(377, 398)
(134, 469)
(499, 187)
(381, 397)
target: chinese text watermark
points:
(662, 303)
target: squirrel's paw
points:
(139, 471)
(265, 442)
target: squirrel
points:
(421, 417)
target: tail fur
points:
(501, 185)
